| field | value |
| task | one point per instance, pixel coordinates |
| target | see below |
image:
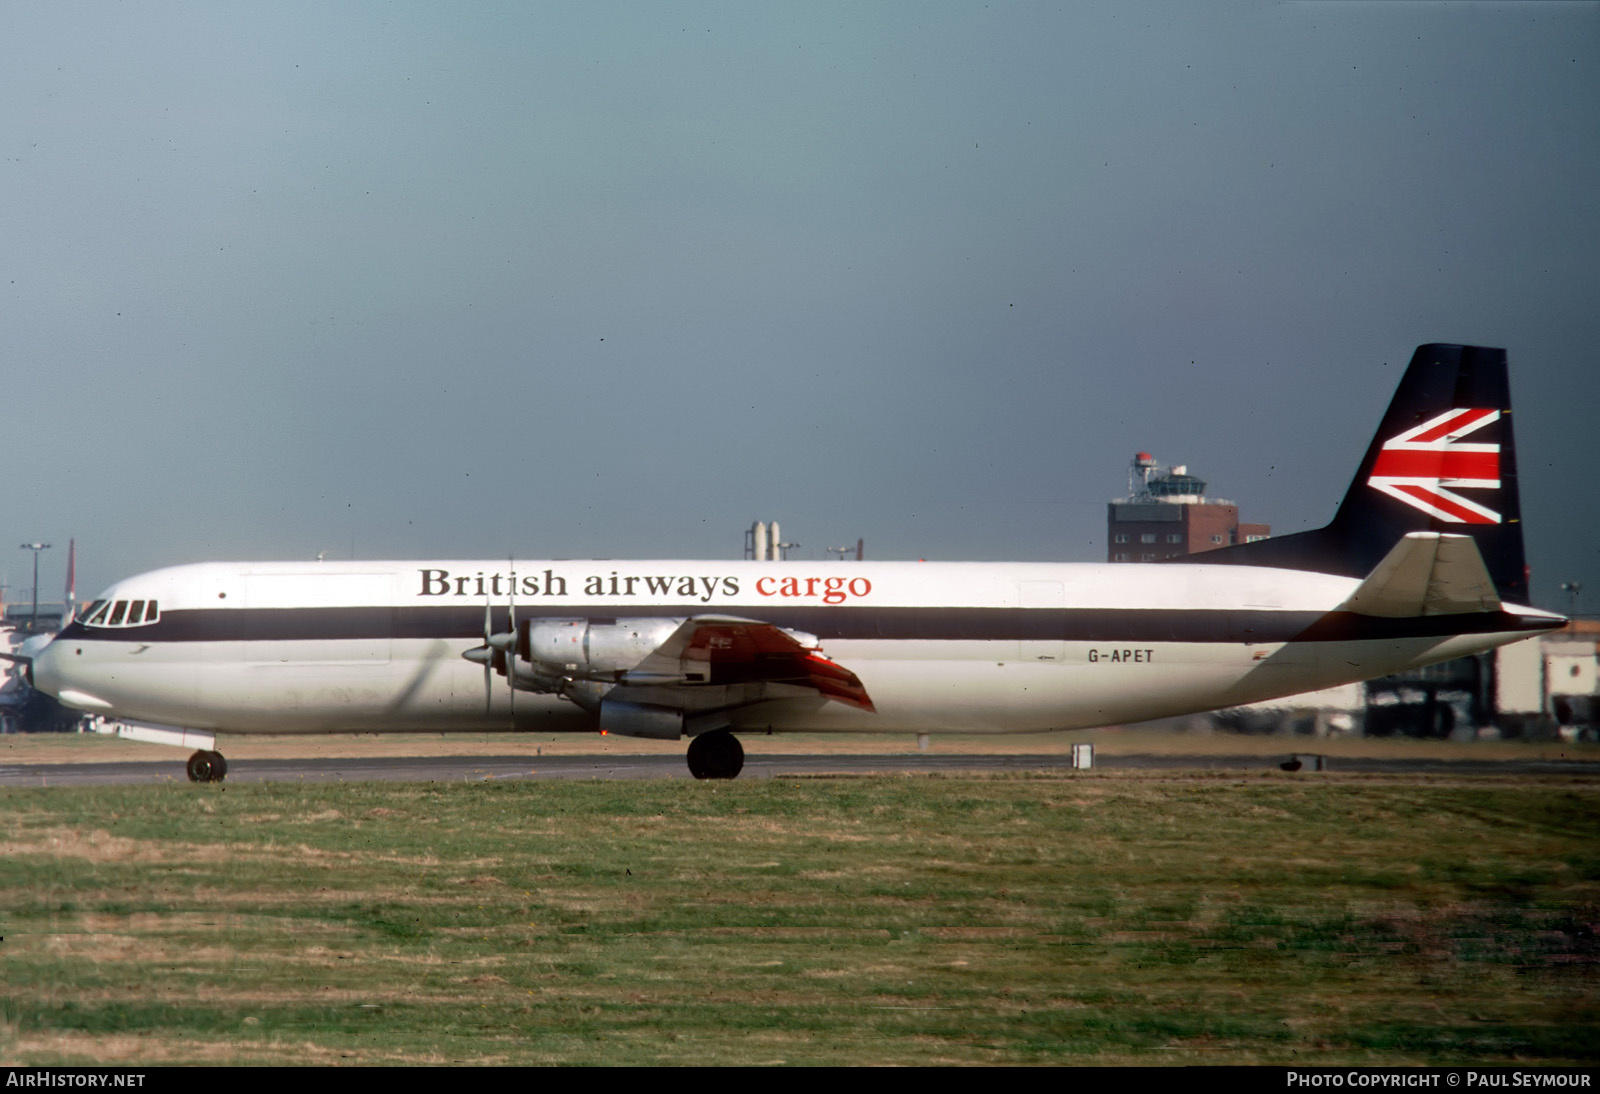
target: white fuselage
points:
(968, 647)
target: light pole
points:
(1572, 589)
(33, 620)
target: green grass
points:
(1049, 919)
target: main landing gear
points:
(716, 755)
(207, 767)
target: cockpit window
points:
(88, 612)
(121, 613)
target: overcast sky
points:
(616, 280)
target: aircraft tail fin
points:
(1443, 461)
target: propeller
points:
(488, 658)
(511, 646)
(504, 645)
(488, 655)
(498, 652)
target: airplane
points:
(1422, 562)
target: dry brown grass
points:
(1114, 741)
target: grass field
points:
(1065, 918)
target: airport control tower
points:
(1167, 515)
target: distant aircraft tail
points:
(1443, 460)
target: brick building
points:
(1166, 515)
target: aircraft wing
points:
(712, 651)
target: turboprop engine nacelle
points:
(636, 720)
(587, 646)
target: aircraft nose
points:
(45, 673)
(53, 674)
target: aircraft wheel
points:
(716, 755)
(207, 767)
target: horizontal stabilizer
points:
(1427, 573)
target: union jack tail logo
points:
(1419, 464)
